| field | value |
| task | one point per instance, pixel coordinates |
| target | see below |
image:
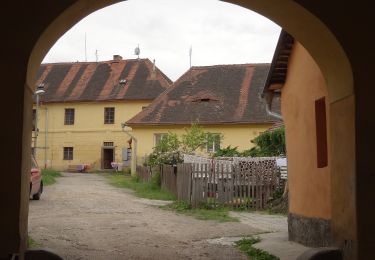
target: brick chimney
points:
(117, 57)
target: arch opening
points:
(317, 39)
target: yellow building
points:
(80, 114)
(224, 99)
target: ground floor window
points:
(158, 137)
(213, 142)
(68, 153)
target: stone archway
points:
(304, 26)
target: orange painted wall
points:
(309, 186)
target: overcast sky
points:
(219, 33)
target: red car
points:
(36, 182)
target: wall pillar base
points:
(313, 232)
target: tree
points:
(196, 138)
(193, 138)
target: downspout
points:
(268, 97)
(45, 138)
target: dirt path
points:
(83, 217)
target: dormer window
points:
(205, 99)
(122, 81)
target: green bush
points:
(170, 148)
(167, 151)
(270, 143)
(227, 152)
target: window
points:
(68, 153)
(213, 142)
(69, 116)
(34, 117)
(321, 133)
(158, 138)
(108, 144)
(109, 115)
(144, 107)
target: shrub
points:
(227, 152)
(270, 143)
(170, 148)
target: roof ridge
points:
(92, 62)
(232, 64)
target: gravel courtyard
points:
(83, 217)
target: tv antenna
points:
(96, 55)
(85, 48)
(137, 51)
(190, 53)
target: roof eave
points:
(282, 54)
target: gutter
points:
(268, 97)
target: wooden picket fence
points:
(198, 184)
(144, 173)
(168, 178)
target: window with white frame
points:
(158, 137)
(213, 142)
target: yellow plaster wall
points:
(87, 134)
(234, 135)
(309, 186)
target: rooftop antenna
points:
(190, 53)
(96, 55)
(153, 72)
(137, 51)
(85, 48)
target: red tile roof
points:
(100, 81)
(221, 94)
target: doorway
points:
(108, 155)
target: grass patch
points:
(205, 212)
(148, 190)
(31, 243)
(49, 176)
(246, 245)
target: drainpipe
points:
(133, 166)
(268, 96)
(45, 138)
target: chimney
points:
(117, 57)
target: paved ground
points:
(265, 222)
(82, 217)
(274, 238)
